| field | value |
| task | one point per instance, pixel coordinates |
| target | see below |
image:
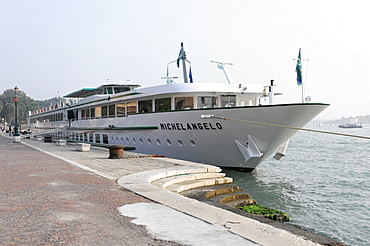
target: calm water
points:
(323, 184)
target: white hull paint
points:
(213, 141)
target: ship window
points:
(82, 113)
(131, 108)
(110, 90)
(247, 101)
(92, 112)
(105, 138)
(183, 103)
(192, 143)
(120, 89)
(87, 113)
(72, 114)
(168, 142)
(91, 137)
(163, 104)
(97, 111)
(104, 111)
(112, 109)
(207, 102)
(120, 108)
(228, 100)
(145, 106)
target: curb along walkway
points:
(136, 173)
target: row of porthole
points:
(158, 141)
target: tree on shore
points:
(25, 104)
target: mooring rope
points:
(289, 127)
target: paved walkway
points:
(46, 201)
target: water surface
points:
(323, 184)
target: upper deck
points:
(120, 100)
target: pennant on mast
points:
(298, 68)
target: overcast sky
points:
(65, 45)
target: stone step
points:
(178, 172)
(188, 185)
(222, 191)
(228, 195)
(237, 200)
(168, 181)
(232, 196)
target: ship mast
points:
(182, 56)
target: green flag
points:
(298, 69)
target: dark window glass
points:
(105, 138)
(163, 104)
(145, 106)
(112, 109)
(104, 111)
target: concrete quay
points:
(55, 195)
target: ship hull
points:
(186, 135)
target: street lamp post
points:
(16, 132)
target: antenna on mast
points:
(221, 65)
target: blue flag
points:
(190, 76)
(298, 68)
(181, 56)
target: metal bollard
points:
(116, 151)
